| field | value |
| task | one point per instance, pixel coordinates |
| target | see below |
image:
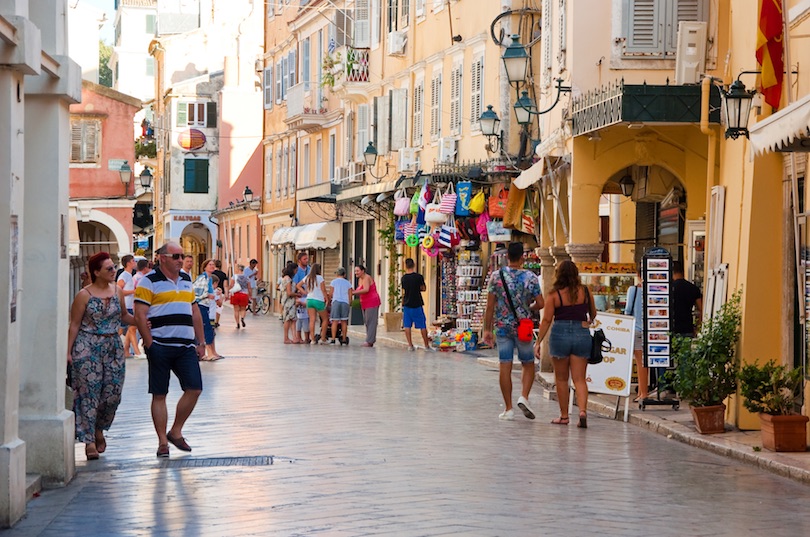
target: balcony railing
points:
(303, 112)
(349, 65)
(640, 103)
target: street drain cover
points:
(217, 461)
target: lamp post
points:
(126, 175)
(490, 127)
(525, 109)
(738, 109)
(516, 61)
(248, 195)
(370, 158)
(146, 179)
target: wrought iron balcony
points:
(348, 67)
(303, 113)
(640, 103)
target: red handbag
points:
(497, 204)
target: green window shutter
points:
(211, 114)
(201, 175)
(189, 176)
(182, 114)
(644, 21)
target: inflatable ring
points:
(433, 251)
(428, 242)
(412, 240)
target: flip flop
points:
(561, 421)
(217, 357)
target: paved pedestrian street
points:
(296, 440)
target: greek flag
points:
(332, 45)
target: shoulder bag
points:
(525, 328)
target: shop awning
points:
(320, 236)
(531, 175)
(360, 191)
(285, 235)
(786, 130)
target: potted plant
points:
(392, 317)
(706, 366)
(771, 391)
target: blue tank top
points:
(573, 312)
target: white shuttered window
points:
(455, 99)
(85, 140)
(651, 26)
(436, 107)
(418, 112)
(476, 92)
(363, 120)
(399, 118)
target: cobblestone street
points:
(293, 440)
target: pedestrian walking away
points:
(340, 291)
(240, 295)
(569, 312)
(413, 312)
(96, 362)
(512, 293)
(205, 298)
(687, 307)
(369, 302)
(173, 338)
(302, 321)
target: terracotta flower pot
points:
(709, 419)
(784, 433)
(393, 321)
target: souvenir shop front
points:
(457, 230)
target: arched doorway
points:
(94, 237)
(641, 207)
(196, 240)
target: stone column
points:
(585, 253)
(19, 58)
(547, 276)
(559, 254)
(45, 425)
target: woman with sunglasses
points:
(95, 357)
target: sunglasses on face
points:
(174, 256)
(110, 269)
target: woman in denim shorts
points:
(571, 309)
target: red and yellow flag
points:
(770, 51)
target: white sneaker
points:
(523, 404)
(508, 415)
(411, 349)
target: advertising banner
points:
(612, 376)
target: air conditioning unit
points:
(447, 150)
(357, 172)
(396, 43)
(408, 161)
(690, 56)
(341, 175)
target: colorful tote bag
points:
(463, 197)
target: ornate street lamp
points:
(525, 109)
(490, 127)
(126, 176)
(370, 157)
(248, 194)
(738, 109)
(515, 61)
(146, 179)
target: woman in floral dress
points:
(288, 298)
(96, 355)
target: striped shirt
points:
(170, 306)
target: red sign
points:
(191, 139)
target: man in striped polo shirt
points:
(171, 326)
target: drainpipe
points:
(705, 90)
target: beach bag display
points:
(448, 203)
(433, 210)
(497, 204)
(402, 205)
(414, 205)
(515, 203)
(463, 197)
(497, 233)
(478, 203)
(399, 230)
(448, 234)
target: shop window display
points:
(608, 284)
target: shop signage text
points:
(187, 218)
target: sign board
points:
(114, 164)
(657, 276)
(612, 376)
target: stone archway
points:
(196, 240)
